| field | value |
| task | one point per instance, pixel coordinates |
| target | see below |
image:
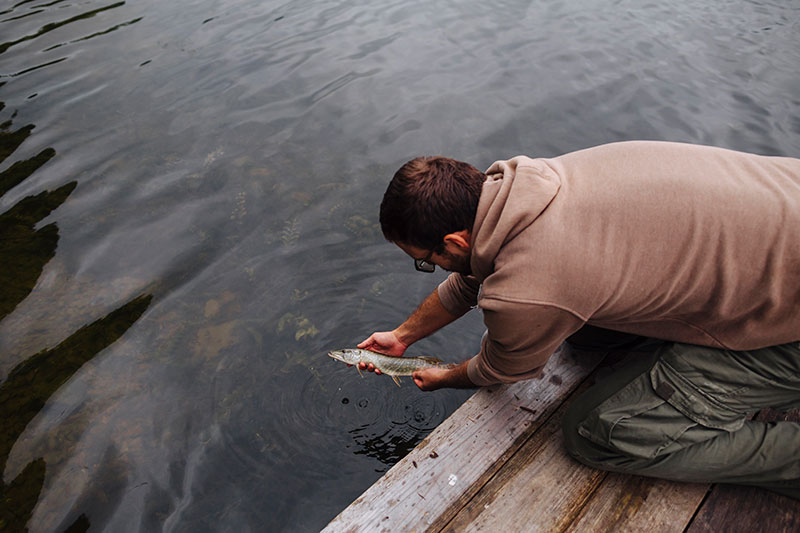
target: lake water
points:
(189, 197)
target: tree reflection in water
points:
(24, 251)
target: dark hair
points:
(428, 198)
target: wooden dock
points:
(498, 465)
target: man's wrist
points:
(457, 378)
(403, 336)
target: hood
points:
(514, 194)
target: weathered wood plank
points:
(540, 488)
(740, 509)
(447, 468)
(736, 509)
(636, 503)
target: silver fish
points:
(387, 364)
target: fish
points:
(387, 364)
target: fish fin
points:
(429, 359)
(359, 372)
(396, 380)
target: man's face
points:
(453, 258)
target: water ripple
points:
(230, 159)
(55, 25)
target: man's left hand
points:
(430, 379)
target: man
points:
(690, 252)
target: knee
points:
(585, 449)
(569, 426)
(577, 446)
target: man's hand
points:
(385, 342)
(430, 316)
(429, 379)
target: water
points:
(189, 199)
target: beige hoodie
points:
(674, 241)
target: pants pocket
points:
(658, 413)
(702, 399)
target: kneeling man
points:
(687, 254)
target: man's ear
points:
(461, 239)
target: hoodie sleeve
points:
(519, 340)
(459, 293)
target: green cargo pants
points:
(682, 412)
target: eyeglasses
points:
(424, 265)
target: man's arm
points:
(519, 336)
(429, 317)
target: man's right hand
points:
(385, 342)
(428, 317)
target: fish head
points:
(346, 355)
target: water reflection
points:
(10, 140)
(230, 158)
(54, 25)
(24, 251)
(22, 169)
(27, 389)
